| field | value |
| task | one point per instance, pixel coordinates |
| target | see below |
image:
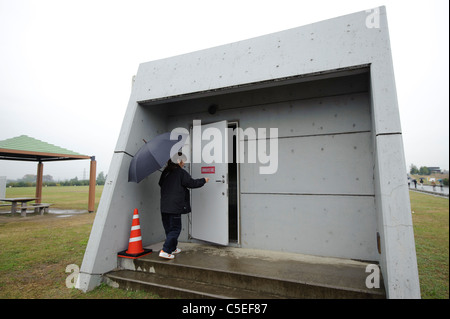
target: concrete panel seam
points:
(124, 152)
(310, 194)
(90, 274)
(314, 135)
(394, 133)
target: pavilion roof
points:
(25, 148)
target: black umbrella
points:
(153, 155)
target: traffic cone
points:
(135, 249)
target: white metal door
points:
(210, 202)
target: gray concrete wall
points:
(346, 134)
(324, 183)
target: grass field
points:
(67, 197)
(431, 233)
(34, 251)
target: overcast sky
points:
(66, 65)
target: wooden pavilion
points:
(25, 148)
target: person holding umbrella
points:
(174, 182)
(175, 201)
(421, 182)
(441, 184)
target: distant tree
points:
(424, 170)
(413, 169)
(29, 178)
(101, 179)
(47, 178)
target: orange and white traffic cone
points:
(135, 249)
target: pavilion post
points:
(92, 181)
(39, 178)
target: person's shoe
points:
(163, 254)
(176, 251)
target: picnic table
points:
(14, 201)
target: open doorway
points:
(233, 186)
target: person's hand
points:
(206, 179)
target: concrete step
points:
(225, 272)
(170, 287)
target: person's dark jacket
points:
(174, 185)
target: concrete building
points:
(338, 188)
(434, 170)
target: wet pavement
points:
(326, 272)
(66, 212)
(60, 213)
(437, 190)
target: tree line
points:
(29, 180)
(423, 170)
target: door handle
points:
(220, 181)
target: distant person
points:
(433, 183)
(415, 183)
(421, 182)
(175, 201)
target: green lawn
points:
(62, 197)
(34, 251)
(431, 221)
